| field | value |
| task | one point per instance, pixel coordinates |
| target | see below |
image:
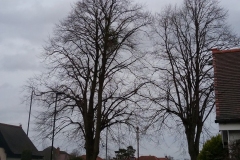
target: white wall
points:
(229, 126)
(233, 135)
(232, 130)
(2, 154)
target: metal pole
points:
(29, 112)
(137, 142)
(54, 125)
(106, 141)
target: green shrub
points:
(213, 150)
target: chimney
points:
(57, 151)
(214, 50)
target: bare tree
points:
(184, 91)
(90, 63)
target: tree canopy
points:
(89, 76)
(123, 154)
(182, 87)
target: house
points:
(84, 157)
(226, 64)
(57, 154)
(13, 141)
(62, 155)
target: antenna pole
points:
(137, 142)
(29, 112)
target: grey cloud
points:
(31, 19)
(24, 27)
(12, 111)
(18, 62)
(232, 6)
(7, 94)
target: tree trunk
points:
(192, 149)
(193, 138)
(90, 150)
(193, 155)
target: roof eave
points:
(230, 120)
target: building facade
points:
(226, 64)
(14, 141)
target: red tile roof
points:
(151, 158)
(226, 65)
(148, 158)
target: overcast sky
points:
(25, 26)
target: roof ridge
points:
(233, 50)
(11, 125)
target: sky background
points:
(25, 26)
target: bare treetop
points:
(90, 61)
(183, 37)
